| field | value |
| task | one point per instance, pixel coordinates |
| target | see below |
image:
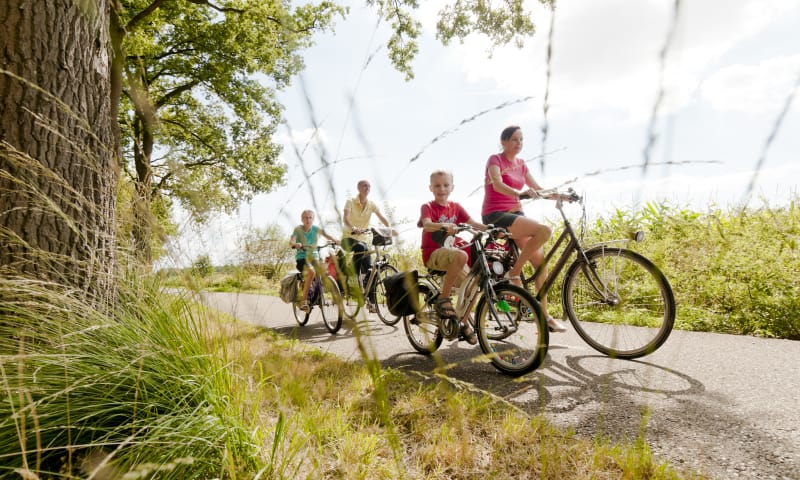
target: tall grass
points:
(732, 270)
(136, 390)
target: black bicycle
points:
(617, 300)
(509, 321)
(323, 297)
(367, 290)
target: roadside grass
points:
(339, 420)
(163, 387)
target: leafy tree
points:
(502, 22)
(202, 267)
(266, 251)
(198, 110)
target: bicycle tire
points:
(352, 297)
(634, 318)
(380, 296)
(422, 329)
(300, 316)
(523, 346)
(330, 305)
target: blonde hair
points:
(441, 171)
(302, 214)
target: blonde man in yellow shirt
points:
(357, 214)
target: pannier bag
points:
(288, 291)
(401, 293)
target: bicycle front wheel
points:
(511, 328)
(380, 296)
(330, 303)
(422, 329)
(619, 303)
(352, 298)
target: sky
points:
(716, 87)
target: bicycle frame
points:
(477, 282)
(379, 259)
(573, 244)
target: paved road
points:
(725, 404)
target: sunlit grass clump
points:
(131, 390)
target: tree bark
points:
(59, 143)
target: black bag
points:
(401, 293)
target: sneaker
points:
(372, 308)
(555, 325)
(304, 307)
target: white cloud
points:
(760, 88)
(607, 53)
(303, 138)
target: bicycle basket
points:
(401, 293)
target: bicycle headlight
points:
(638, 236)
(498, 268)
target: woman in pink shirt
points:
(507, 177)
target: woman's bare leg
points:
(529, 236)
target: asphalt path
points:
(726, 405)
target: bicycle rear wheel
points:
(619, 303)
(330, 304)
(422, 329)
(380, 296)
(512, 330)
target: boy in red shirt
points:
(442, 215)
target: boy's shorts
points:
(441, 258)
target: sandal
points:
(555, 326)
(444, 307)
(468, 334)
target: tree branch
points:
(176, 92)
(143, 14)
(219, 9)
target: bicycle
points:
(509, 321)
(617, 300)
(368, 289)
(323, 293)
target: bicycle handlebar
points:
(327, 244)
(373, 231)
(554, 194)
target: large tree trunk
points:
(58, 143)
(142, 213)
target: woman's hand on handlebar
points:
(550, 194)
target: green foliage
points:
(265, 251)
(199, 111)
(732, 271)
(502, 22)
(202, 267)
